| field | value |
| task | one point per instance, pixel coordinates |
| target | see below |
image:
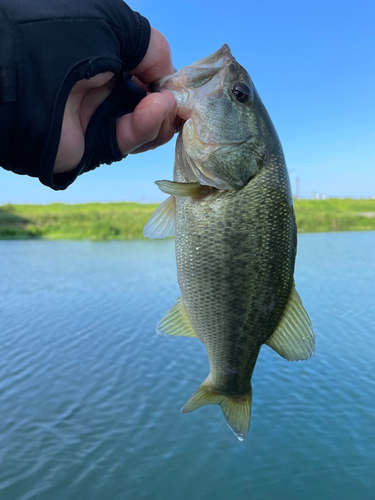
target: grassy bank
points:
(335, 214)
(125, 221)
(94, 221)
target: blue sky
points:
(313, 64)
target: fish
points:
(230, 208)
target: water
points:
(90, 395)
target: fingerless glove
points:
(46, 46)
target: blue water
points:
(90, 395)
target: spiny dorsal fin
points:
(236, 409)
(176, 322)
(162, 222)
(293, 338)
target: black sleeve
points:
(46, 46)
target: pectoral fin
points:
(176, 322)
(162, 222)
(293, 338)
(181, 188)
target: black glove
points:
(46, 46)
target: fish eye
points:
(241, 92)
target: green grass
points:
(125, 221)
(92, 221)
(335, 214)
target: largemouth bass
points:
(231, 210)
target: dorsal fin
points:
(293, 338)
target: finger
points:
(151, 122)
(166, 132)
(170, 125)
(157, 61)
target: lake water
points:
(90, 395)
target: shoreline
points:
(125, 220)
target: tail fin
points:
(236, 409)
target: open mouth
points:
(197, 74)
(203, 79)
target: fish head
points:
(226, 128)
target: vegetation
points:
(335, 214)
(125, 221)
(93, 221)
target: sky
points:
(313, 64)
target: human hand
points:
(152, 123)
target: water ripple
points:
(90, 395)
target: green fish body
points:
(235, 233)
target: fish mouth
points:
(218, 59)
(204, 77)
(197, 74)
